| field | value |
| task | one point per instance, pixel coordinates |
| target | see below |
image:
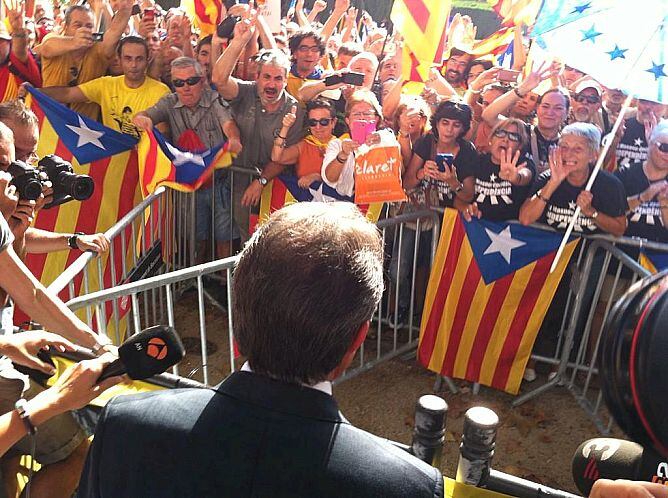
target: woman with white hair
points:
(646, 187)
(558, 191)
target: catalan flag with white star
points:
(620, 43)
(489, 290)
(110, 158)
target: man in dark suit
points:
(305, 288)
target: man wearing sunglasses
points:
(646, 187)
(586, 105)
(198, 121)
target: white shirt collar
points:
(325, 386)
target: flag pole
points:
(607, 143)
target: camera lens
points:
(82, 187)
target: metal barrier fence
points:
(215, 345)
(133, 240)
(604, 272)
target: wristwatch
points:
(263, 181)
(20, 406)
(72, 240)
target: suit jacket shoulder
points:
(251, 436)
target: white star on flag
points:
(318, 196)
(181, 157)
(86, 135)
(503, 243)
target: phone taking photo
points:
(360, 130)
(149, 14)
(443, 159)
(508, 75)
(355, 79)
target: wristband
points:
(342, 161)
(594, 215)
(72, 240)
(540, 195)
(459, 188)
(20, 407)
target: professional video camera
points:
(67, 185)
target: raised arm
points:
(491, 114)
(221, 76)
(20, 41)
(117, 27)
(340, 7)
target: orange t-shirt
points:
(310, 159)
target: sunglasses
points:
(193, 80)
(663, 146)
(588, 99)
(321, 122)
(512, 136)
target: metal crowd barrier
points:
(386, 341)
(132, 239)
(611, 271)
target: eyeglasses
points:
(512, 136)
(662, 146)
(193, 80)
(586, 99)
(321, 122)
(314, 49)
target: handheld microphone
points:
(609, 458)
(150, 352)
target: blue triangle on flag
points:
(317, 191)
(658, 259)
(84, 137)
(189, 166)
(502, 248)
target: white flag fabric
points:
(620, 43)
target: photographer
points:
(23, 123)
(62, 440)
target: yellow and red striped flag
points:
(204, 14)
(514, 12)
(489, 290)
(163, 164)
(116, 192)
(422, 24)
(284, 190)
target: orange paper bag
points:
(378, 175)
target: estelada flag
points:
(653, 261)
(378, 175)
(514, 12)
(489, 290)
(114, 171)
(164, 164)
(284, 190)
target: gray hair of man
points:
(273, 57)
(660, 128)
(184, 62)
(588, 131)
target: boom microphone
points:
(609, 458)
(150, 352)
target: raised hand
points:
(245, 29)
(558, 172)
(319, 6)
(348, 146)
(341, 6)
(508, 168)
(290, 117)
(536, 76)
(471, 211)
(16, 15)
(83, 38)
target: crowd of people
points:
(494, 143)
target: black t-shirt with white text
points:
(543, 148)
(498, 199)
(645, 221)
(465, 163)
(632, 148)
(608, 198)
